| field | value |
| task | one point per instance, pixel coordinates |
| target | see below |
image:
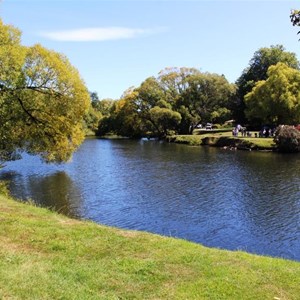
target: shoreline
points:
(41, 249)
(215, 138)
(224, 141)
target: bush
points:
(287, 139)
(4, 188)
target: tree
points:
(287, 139)
(207, 97)
(257, 70)
(295, 17)
(91, 120)
(94, 97)
(124, 118)
(176, 100)
(98, 110)
(198, 97)
(173, 83)
(189, 96)
(164, 119)
(104, 106)
(42, 101)
(275, 100)
(140, 112)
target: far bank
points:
(224, 139)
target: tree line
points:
(180, 99)
(46, 109)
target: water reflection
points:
(226, 199)
(55, 191)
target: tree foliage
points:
(295, 17)
(164, 119)
(177, 100)
(287, 139)
(42, 100)
(208, 97)
(257, 71)
(98, 110)
(276, 100)
(91, 120)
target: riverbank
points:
(224, 140)
(45, 255)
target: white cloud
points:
(99, 34)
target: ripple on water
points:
(225, 199)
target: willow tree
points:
(42, 101)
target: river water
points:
(220, 198)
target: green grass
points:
(193, 140)
(223, 139)
(44, 255)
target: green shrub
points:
(4, 188)
(287, 139)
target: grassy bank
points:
(224, 139)
(44, 255)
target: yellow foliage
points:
(42, 94)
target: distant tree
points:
(124, 119)
(104, 106)
(177, 100)
(91, 120)
(275, 100)
(164, 120)
(207, 97)
(172, 81)
(257, 70)
(198, 97)
(143, 101)
(92, 116)
(94, 97)
(141, 111)
(118, 117)
(42, 101)
(147, 96)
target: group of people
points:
(264, 132)
(242, 130)
(267, 132)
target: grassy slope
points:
(44, 255)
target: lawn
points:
(44, 255)
(221, 138)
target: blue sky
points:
(118, 44)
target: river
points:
(234, 200)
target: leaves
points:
(276, 100)
(295, 17)
(287, 139)
(257, 71)
(164, 119)
(177, 100)
(42, 100)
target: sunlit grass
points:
(221, 138)
(44, 255)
